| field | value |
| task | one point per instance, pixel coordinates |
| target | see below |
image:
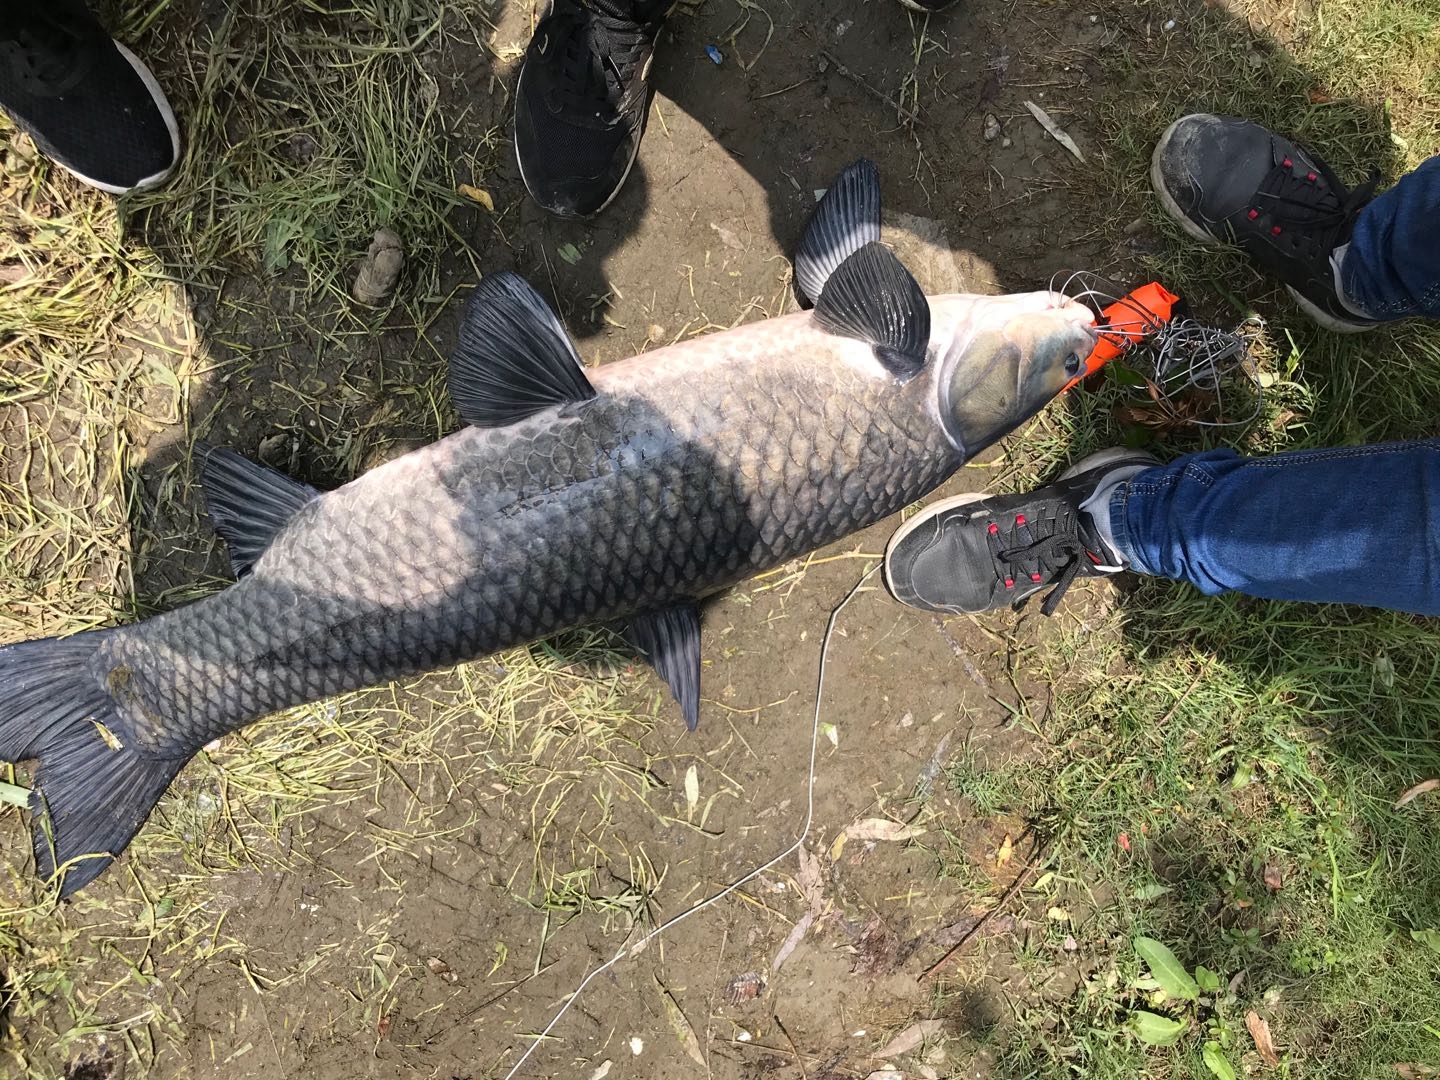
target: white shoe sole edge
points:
(171, 124)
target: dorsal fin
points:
(514, 358)
(847, 219)
(872, 297)
(248, 503)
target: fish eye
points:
(1073, 363)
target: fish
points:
(620, 496)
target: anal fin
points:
(669, 641)
(514, 358)
(873, 298)
(248, 503)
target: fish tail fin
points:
(90, 794)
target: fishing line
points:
(634, 950)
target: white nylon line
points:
(633, 950)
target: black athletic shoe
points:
(87, 101)
(976, 553)
(1232, 181)
(582, 100)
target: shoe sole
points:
(520, 163)
(157, 95)
(928, 516)
(1209, 239)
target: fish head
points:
(1001, 358)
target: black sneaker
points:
(87, 101)
(974, 553)
(582, 100)
(1231, 181)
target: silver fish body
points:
(620, 494)
(695, 467)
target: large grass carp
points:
(621, 495)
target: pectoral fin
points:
(514, 358)
(872, 297)
(670, 643)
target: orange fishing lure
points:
(1130, 319)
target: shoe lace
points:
(1047, 549)
(1315, 206)
(603, 43)
(45, 51)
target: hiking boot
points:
(87, 101)
(975, 552)
(582, 100)
(1231, 181)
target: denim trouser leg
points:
(1392, 266)
(1357, 525)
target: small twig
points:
(799, 1061)
(900, 110)
(1035, 862)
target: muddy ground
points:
(432, 953)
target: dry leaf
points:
(681, 1026)
(811, 881)
(602, 1070)
(1260, 1032)
(1415, 792)
(910, 1038)
(1054, 129)
(886, 1074)
(838, 847)
(743, 988)
(882, 829)
(1007, 849)
(792, 940)
(1273, 878)
(478, 195)
(692, 792)
(1411, 1070)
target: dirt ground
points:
(407, 930)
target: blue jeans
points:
(1392, 267)
(1356, 525)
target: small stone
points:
(1007, 142)
(379, 271)
(992, 127)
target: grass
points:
(1221, 738)
(1221, 774)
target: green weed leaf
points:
(1216, 1061)
(1154, 1029)
(1427, 937)
(14, 795)
(1207, 980)
(1168, 971)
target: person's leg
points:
(1391, 267)
(1357, 524)
(582, 100)
(86, 100)
(1348, 262)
